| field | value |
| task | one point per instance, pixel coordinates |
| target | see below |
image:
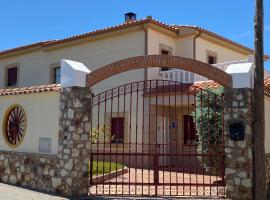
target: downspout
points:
(145, 29)
(194, 44)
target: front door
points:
(163, 138)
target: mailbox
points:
(173, 125)
(237, 131)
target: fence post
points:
(238, 117)
(74, 127)
(74, 144)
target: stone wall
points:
(30, 170)
(238, 154)
(267, 168)
(66, 173)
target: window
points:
(117, 129)
(12, 76)
(164, 52)
(189, 130)
(211, 60)
(56, 75)
(211, 57)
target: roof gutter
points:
(194, 44)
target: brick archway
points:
(148, 61)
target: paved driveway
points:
(8, 192)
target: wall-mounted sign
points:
(14, 125)
(173, 125)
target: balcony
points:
(190, 77)
(178, 75)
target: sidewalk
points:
(8, 192)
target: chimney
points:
(130, 16)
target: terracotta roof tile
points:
(206, 84)
(267, 86)
(213, 85)
(149, 19)
(56, 87)
(23, 47)
(30, 90)
(217, 36)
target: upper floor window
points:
(211, 57)
(165, 50)
(12, 76)
(55, 73)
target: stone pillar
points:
(74, 144)
(238, 106)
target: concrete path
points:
(8, 192)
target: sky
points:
(27, 21)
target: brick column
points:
(74, 145)
(238, 106)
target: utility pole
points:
(259, 190)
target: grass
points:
(107, 166)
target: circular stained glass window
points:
(14, 125)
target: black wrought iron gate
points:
(157, 137)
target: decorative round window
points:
(14, 125)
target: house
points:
(97, 48)
(144, 118)
(39, 63)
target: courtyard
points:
(169, 184)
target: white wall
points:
(184, 47)
(32, 70)
(155, 39)
(42, 113)
(223, 54)
(35, 67)
(267, 124)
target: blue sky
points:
(27, 21)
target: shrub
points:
(208, 117)
(101, 135)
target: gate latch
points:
(237, 131)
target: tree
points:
(208, 117)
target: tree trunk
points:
(259, 189)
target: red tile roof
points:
(213, 85)
(206, 84)
(217, 36)
(56, 87)
(267, 86)
(194, 88)
(24, 47)
(30, 90)
(174, 28)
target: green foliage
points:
(100, 167)
(209, 121)
(101, 135)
